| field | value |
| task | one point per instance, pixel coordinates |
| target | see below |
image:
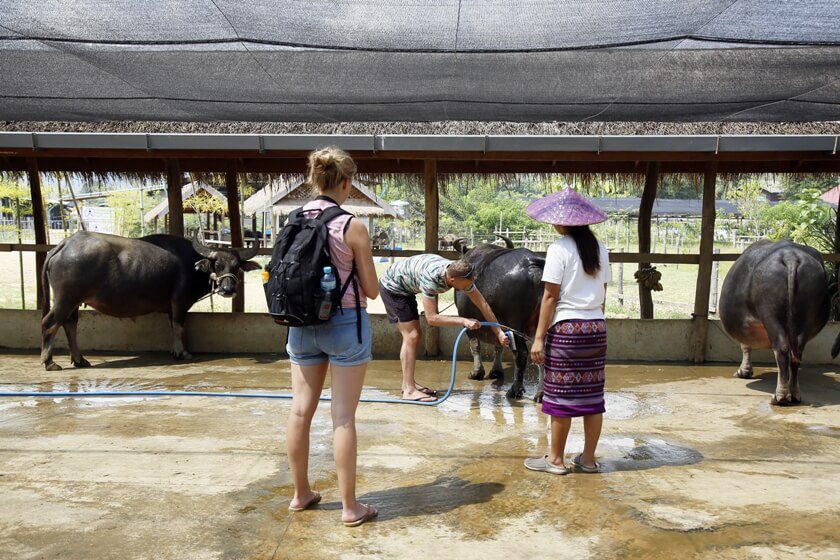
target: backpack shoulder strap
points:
(295, 215)
(331, 213)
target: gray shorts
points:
(335, 341)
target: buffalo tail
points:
(793, 340)
(45, 279)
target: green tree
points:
(483, 207)
(14, 198)
(127, 218)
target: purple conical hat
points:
(566, 208)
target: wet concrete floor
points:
(697, 465)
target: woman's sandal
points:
(315, 499)
(370, 513)
(541, 464)
(583, 468)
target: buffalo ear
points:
(248, 266)
(203, 265)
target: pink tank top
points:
(341, 254)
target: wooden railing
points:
(615, 257)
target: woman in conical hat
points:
(571, 338)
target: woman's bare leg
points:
(346, 385)
(559, 433)
(307, 383)
(591, 433)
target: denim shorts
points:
(336, 341)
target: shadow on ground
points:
(818, 389)
(445, 494)
(160, 359)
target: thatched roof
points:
(188, 191)
(441, 127)
(285, 196)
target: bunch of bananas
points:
(649, 278)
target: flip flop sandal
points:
(423, 389)
(308, 504)
(583, 468)
(541, 464)
(421, 399)
(370, 513)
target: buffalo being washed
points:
(125, 277)
(511, 281)
(776, 296)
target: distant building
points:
(666, 207)
(832, 196)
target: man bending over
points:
(428, 275)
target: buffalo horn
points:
(248, 254)
(200, 247)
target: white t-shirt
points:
(581, 295)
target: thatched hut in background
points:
(199, 198)
(269, 206)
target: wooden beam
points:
(417, 155)
(232, 185)
(176, 202)
(38, 215)
(645, 212)
(700, 328)
(683, 258)
(432, 236)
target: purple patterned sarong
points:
(575, 352)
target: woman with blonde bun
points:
(340, 344)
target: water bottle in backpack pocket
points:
(328, 286)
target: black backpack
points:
(293, 290)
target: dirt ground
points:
(697, 464)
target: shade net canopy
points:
(361, 60)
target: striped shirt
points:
(421, 274)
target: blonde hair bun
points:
(329, 167)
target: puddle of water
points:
(626, 406)
(636, 453)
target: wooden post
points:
(679, 248)
(715, 280)
(645, 211)
(627, 234)
(432, 235)
(176, 202)
(700, 328)
(432, 205)
(40, 226)
(19, 225)
(836, 249)
(654, 234)
(142, 212)
(236, 241)
(621, 281)
(61, 205)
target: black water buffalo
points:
(776, 296)
(511, 281)
(125, 277)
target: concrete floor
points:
(698, 465)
